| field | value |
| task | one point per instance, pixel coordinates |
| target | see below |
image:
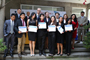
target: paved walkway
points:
(77, 58)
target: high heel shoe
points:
(31, 55)
(61, 54)
(58, 53)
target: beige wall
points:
(2, 14)
(15, 4)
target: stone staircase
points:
(79, 51)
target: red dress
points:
(75, 26)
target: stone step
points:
(80, 54)
(47, 51)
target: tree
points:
(87, 38)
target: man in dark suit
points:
(38, 18)
(18, 14)
(9, 33)
(38, 13)
(27, 17)
(20, 35)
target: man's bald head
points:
(28, 13)
(38, 10)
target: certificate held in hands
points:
(33, 28)
(60, 29)
(42, 25)
(23, 29)
(68, 27)
(52, 28)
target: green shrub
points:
(87, 38)
(2, 46)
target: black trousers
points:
(9, 40)
(41, 43)
(68, 42)
(51, 42)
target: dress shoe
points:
(50, 54)
(23, 53)
(19, 55)
(4, 55)
(44, 54)
(11, 55)
(40, 54)
(77, 42)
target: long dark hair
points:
(54, 20)
(33, 14)
(45, 15)
(75, 19)
(68, 20)
(62, 19)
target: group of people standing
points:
(12, 33)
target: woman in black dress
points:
(32, 35)
(51, 37)
(60, 37)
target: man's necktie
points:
(23, 22)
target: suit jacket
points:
(7, 28)
(16, 17)
(17, 24)
(46, 21)
(83, 21)
(26, 19)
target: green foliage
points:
(87, 38)
(2, 46)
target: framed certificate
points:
(33, 28)
(52, 28)
(60, 29)
(42, 25)
(23, 29)
(68, 27)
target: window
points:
(26, 7)
(89, 14)
(34, 7)
(77, 11)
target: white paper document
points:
(23, 29)
(42, 25)
(33, 28)
(60, 29)
(68, 27)
(52, 28)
